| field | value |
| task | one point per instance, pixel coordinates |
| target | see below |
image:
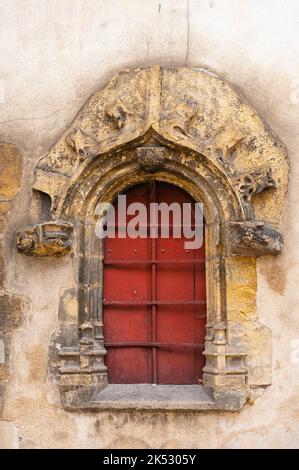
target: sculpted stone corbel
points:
(151, 159)
(45, 239)
(252, 238)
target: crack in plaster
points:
(188, 33)
(40, 118)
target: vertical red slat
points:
(153, 293)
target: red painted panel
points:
(175, 325)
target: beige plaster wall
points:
(54, 55)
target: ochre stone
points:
(241, 288)
(10, 170)
(2, 260)
(11, 307)
(5, 208)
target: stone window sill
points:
(154, 397)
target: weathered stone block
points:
(229, 400)
(151, 159)
(2, 261)
(241, 288)
(11, 308)
(256, 339)
(5, 208)
(2, 226)
(47, 239)
(10, 170)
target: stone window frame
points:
(188, 128)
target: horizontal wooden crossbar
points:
(153, 302)
(152, 261)
(152, 344)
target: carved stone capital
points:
(253, 239)
(45, 239)
(151, 159)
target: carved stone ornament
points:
(253, 183)
(254, 239)
(189, 128)
(151, 159)
(46, 239)
(84, 145)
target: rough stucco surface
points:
(54, 56)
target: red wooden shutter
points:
(154, 302)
